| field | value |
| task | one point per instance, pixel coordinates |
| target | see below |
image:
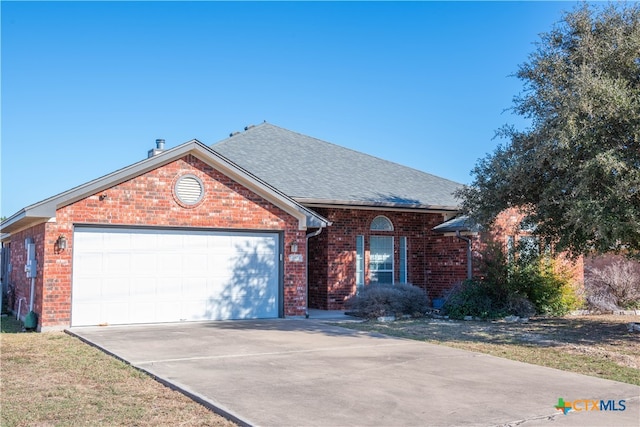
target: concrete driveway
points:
(306, 372)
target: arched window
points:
(381, 223)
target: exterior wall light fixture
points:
(61, 243)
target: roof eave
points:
(24, 218)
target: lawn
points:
(52, 378)
(599, 346)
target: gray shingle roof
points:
(313, 171)
(461, 223)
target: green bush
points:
(473, 298)
(388, 300)
(522, 286)
(545, 284)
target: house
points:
(266, 223)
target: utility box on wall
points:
(31, 265)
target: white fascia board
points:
(344, 204)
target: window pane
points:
(381, 277)
(381, 259)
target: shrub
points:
(520, 306)
(522, 286)
(545, 284)
(388, 300)
(473, 298)
(614, 286)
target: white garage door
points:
(123, 276)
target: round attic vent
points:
(189, 190)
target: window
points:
(381, 223)
(381, 259)
(528, 247)
(359, 262)
(403, 260)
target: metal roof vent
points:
(159, 148)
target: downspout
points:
(32, 293)
(469, 254)
(306, 269)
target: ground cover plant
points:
(53, 378)
(600, 346)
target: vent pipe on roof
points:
(159, 148)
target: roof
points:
(461, 223)
(46, 209)
(315, 172)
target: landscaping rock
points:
(634, 327)
(386, 319)
(468, 317)
(511, 319)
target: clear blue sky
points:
(87, 87)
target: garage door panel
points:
(91, 291)
(143, 289)
(115, 310)
(142, 262)
(116, 240)
(87, 264)
(115, 288)
(145, 276)
(142, 311)
(89, 312)
(118, 264)
(145, 242)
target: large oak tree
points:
(576, 170)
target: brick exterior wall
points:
(148, 200)
(507, 225)
(434, 262)
(21, 285)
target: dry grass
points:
(599, 346)
(53, 379)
